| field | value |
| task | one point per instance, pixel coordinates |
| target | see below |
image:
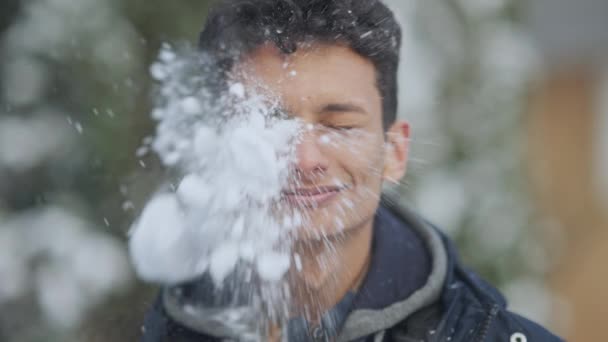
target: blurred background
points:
(508, 102)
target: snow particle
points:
(190, 105)
(298, 262)
(223, 261)
(237, 89)
(366, 34)
(271, 266)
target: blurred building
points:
(568, 154)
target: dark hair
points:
(236, 27)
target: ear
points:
(396, 151)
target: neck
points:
(330, 268)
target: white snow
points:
(190, 105)
(159, 245)
(127, 205)
(234, 160)
(167, 55)
(324, 139)
(271, 266)
(297, 260)
(158, 72)
(223, 260)
(247, 251)
(366, 34)
(142, 151)
(194, 192)
(237, 89)
(204, 142)
(238, 228)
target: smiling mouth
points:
(312, 197)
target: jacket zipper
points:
(486, 325)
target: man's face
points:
(342, 155)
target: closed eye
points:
(340, 127)
(343, 108)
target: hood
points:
(366, 322)
(359, 323)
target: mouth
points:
(312, 197)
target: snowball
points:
(234, 153)
(159, 243)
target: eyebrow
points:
(342, 108)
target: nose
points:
(310, 160)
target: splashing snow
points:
(233, 155)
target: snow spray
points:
(218, 229)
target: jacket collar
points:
(364, 322)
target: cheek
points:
(357, 153)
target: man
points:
(391, 276)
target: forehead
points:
(314, 71)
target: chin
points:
(310, 234)
(332, 219)
(325, 231)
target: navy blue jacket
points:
(469, 310)
(466, 308)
